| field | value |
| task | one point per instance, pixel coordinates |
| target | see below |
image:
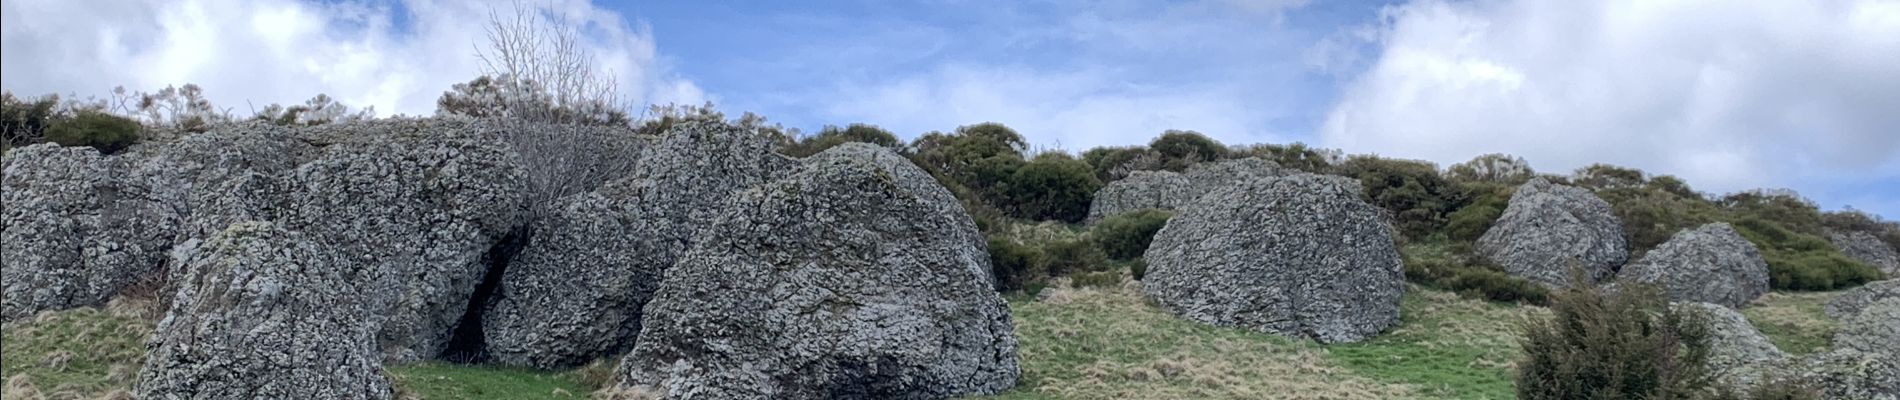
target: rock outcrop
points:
(1739, 353)
(1711, 263)
(1168, 190)
(575, 292)
(264, 313)
(1866, 248)
(1300, 255)
(1845, 374)
(1548, 228)
(76, 230)
(1851, 302)
(1875, 329)
(855, 276)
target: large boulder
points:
(1140, 190)
(1168, 190)
(1866, 248)
(76, 230)
(1846, 374)
(1711, 264)
(575, 292)
(1548, 228)
(1300, 255)
(1739, 354)
(1875, 329)
(1851, 302)
(855, 276)
(264, 313)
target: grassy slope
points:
(76, 354)
(438, 381)
(1793, 320)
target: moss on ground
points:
(1793, 320)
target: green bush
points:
(1096, 279)
(1626, 345)
(22, 122)
(979, 158)
(1071, 256)
(1138, 268)
(97, 129)
(1486, 203)
(1651, 215)
(1013, 265)
(1113, 163)
(831, 136)
(1053, 187)
(1126, 236)
(1412, 191)
(1180, 149)
(1296, 156)
(1799, 261)
(1440, 268)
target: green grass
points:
(74, 354)
(1447, 346)
(1793, 320)
(440, 381)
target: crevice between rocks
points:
(468, 344)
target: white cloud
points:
(398, 58)
(1729, 95)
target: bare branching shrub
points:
(180, 107)
(536, 67)
(316, 111)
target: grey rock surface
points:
(1740, 354)
(1168, 190)
(264, 313)
(1866, 248)
(74, 228)
(1300, 256)
(1875, 329)
(855, 276)
(1711, 263)
(1846, 374)
(1547, 228)
(575, 292)
(1851, 302)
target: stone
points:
(1548, 228)
(853, 276)
(575, 292)
(264, 313)
(1846, 374)
(1711, 263)
(1875, 329)
(1300, 255)
(1739, 354)
(75, 229)
(1168, 190)
(1866, 248)
(1852, 301)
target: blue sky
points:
(1728, 95)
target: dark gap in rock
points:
(467, 343)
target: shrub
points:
(1412, 191)
(1113, 163)
(1493, 168)
(1781, 206)
(1071, 256)
(1442, 269)
(1180, 149)
(1138, 268)
(97, 129)
(1012, 264)
(1126, 236)
(1096, 279)
(832, 136)
(1799, 261)
(1053, 187)
(980, 158)
(1296, 156)
(1625, 345)
(1605, 176)
(22, 122)
(1651, 215)
(1486, 203)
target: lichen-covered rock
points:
(1711, 263)
(1140, 190)
(414, 206)
(1548, 228)
(1866, 248)
(1168, 190)
(75, 231)
(575, 292)
(1846, 374)
(264, 313)
(1875, 329)
(1739, 354)
(1300, 255)
(1851, 302)
(855, 276)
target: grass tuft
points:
(1793, 320)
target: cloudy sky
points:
(1730, 95)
